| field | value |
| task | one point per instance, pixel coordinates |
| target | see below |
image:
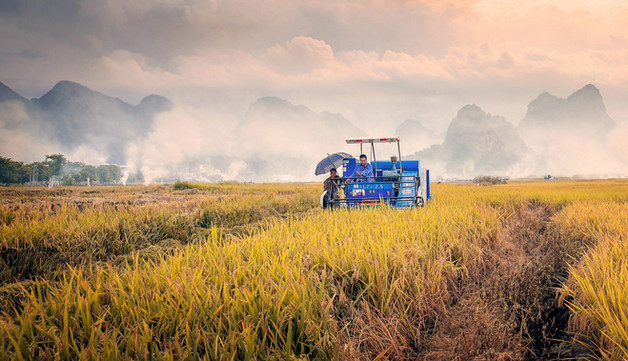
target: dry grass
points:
(597, 289)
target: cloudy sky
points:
(378, 62)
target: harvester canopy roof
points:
(372, 140)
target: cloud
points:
(377, 62)
(168, 43)
(299, 55)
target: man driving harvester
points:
(365, 170)
(394, 183)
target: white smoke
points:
(180, 142)
(574, 155)
(274, 141)
(23, 137)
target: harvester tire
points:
(324, 201)
(419, 202)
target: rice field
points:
(526, 270)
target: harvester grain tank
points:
(396, 182)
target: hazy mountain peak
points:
(415, 136)
(478, 143)
(588, 99)
(276, 110)
(7, 94)
(80, 117)
(280, 107)
(588, 93)
(412, 126)
(155, 103)
(270, 103)
(271, 100)
(70, 88)
(472, 117)
(590, 87)
(65, 92)
(545, 97)
(470, 112)
(582, 113)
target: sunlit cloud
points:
(376, 62)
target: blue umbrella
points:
(331, 161)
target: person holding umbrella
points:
(331, 185)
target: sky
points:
(377, 62)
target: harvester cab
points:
(395, 182)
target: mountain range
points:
(476, 143)
(73, 116)
(275, 136)
(564, 136)
(415, 135)
(581, 116)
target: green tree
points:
(108, 173)
(9, 170)
(67, 172)
(25, 172)
(54, 163)
(89, 171)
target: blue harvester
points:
(396, 182)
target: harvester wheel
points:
(324, 201)
(419, 202)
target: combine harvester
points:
(397, 183)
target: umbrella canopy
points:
(331, 161)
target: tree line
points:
(56, 169)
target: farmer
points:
(365, 170)
(331, 185)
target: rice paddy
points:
(526, 270)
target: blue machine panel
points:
(358, 191)
(349, 167)
(411, 165)
(407, 188)
(427, 183)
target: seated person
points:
(365, 170)
(331, 186)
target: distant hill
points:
(582, 114)
(415, 136)
(7, 94)
(275, 140)
(574, 135)
(476, 143)
(276, 136)
(277, 111)
(556, 136)
(77, 117)
(278, 140)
